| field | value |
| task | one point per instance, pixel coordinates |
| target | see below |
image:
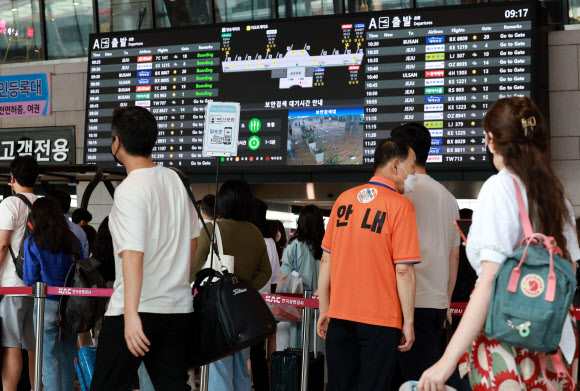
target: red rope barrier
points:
(21, 290)
(96, 292)
(291, 301)
(294, 300)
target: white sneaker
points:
(412, 385)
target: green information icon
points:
(254, 143)
(255, 125)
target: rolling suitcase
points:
(287, 368)
(85, 366)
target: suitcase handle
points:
(315, 342)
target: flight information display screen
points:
(316, 92)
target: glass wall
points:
(68, 25)
(574, 12)
(298, 8)
(171, 13)
(123, 15)
(375, 5)
(20, 32)
(239, 10)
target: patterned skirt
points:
(497, 366)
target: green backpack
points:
(532, 292)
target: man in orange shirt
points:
(373, 243)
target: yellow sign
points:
(434, 56)
(433, 124)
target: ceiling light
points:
(14, 9)
(75, 4)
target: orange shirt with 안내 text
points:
(371, 229)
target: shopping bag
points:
(292, 284)
(219, 262)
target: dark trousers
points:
(425, 350)
(259, 367)
(166, 361)
(360, 356)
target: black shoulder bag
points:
(229, 313)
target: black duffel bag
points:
(229, 315)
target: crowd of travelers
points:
(386, 269)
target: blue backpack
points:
(532, 292)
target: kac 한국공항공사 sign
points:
(222, 128)
(25, 95)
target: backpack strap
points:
(187, 184)
(529, 236)
(561, 370)
(526, 223)
(24, 199)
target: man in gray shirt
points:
(435, 209)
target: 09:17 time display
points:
(520, 13)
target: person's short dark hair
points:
(235, 200)
(271, 229)
(418, 137)
(62, 198)
(25, 170)
(136, 127)
(81, 214)
(258, 215)
(466, 214)
(91, 238)
(207, 205)
(389, 149)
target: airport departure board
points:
(316, 92)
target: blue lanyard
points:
(383, 185)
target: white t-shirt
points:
(13, 214)
(436, 209)
(496, 230)
(152, 214)
(274, 263)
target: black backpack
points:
(79, 314)
(19, 260)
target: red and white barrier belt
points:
(293, 300)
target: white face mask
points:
(410, 182)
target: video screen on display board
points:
(316, 92)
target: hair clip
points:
(531, 122)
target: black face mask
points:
(115, 154)
(490, 159)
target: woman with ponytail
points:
(517, 136)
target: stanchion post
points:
(315, 342)
(306, 326)
(204, 378)
(40, 297)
